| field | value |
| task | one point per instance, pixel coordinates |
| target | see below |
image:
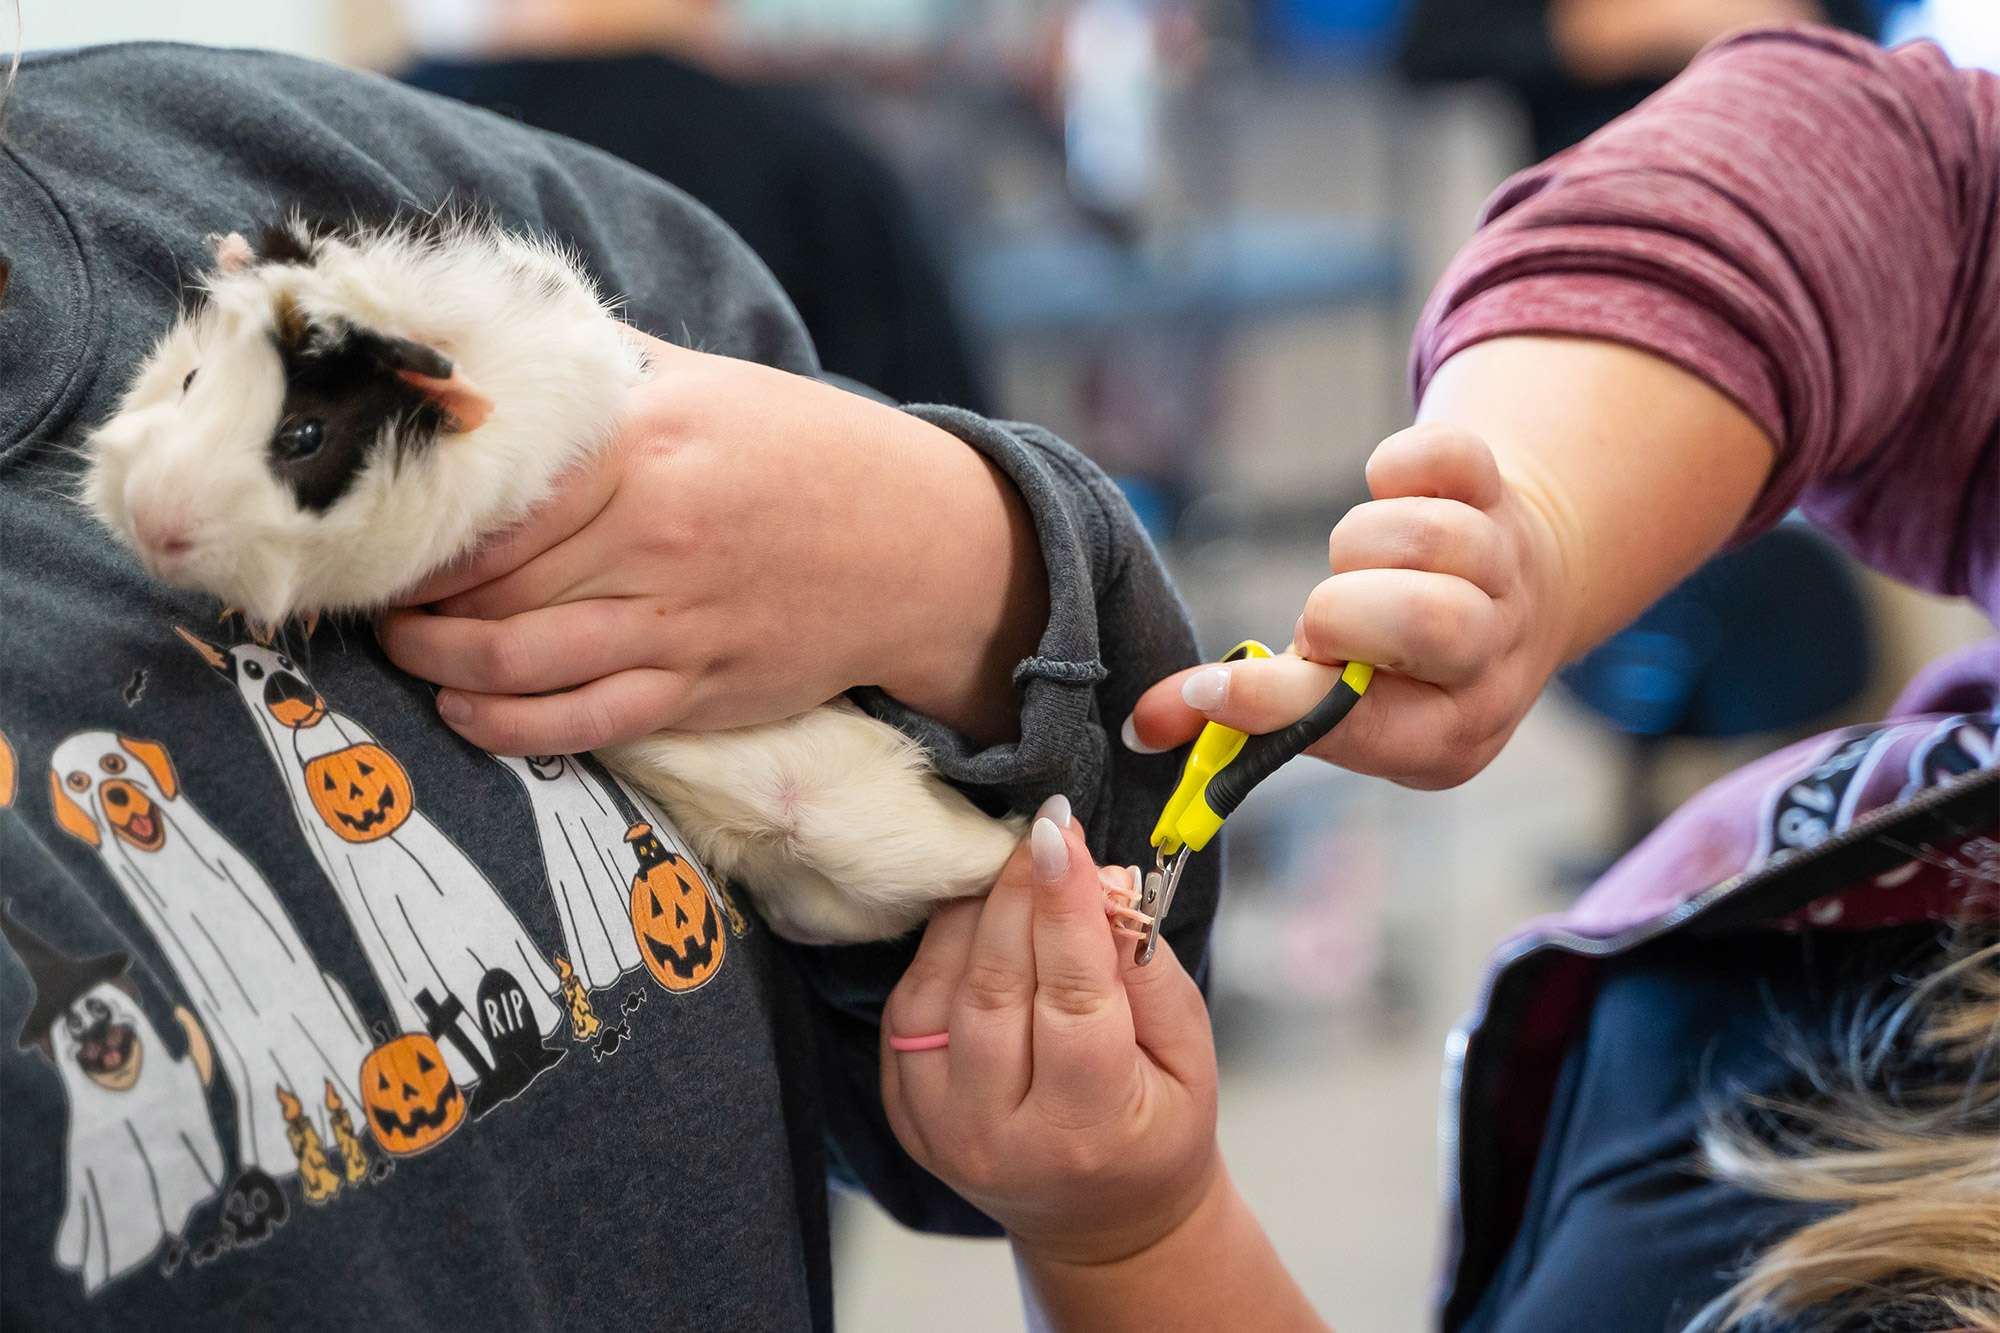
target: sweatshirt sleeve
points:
(1808, 223)
(1115, 626)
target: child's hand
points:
(1075, 1102)
(1450, 579)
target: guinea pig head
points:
(286, 447)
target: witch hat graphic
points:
(59, 980)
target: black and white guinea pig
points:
(347, 408)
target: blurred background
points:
(1192, 236)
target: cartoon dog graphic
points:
(582, 833)
(142, 1153)
(6, 771)
(277, 1021)
(448, 952)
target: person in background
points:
(1749, 1081)
(1577, 65)
(823, 211)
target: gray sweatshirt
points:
(320, 1017)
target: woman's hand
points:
(1075, 1103)
(1450, 579)
(752, 544)
(1071, 1095)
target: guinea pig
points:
(347, 408)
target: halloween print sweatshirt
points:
(314, 1015)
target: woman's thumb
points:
(1169, 1017)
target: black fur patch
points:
(281, 243)
(345, 377)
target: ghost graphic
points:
(450, 954)
(141, 1153)
(278, 1023)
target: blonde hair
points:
(1901, 1139)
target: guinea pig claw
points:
(228, 613)
(309, 622)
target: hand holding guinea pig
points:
(743, 550)
(351, 409)
(1074, 1099)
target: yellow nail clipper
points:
(1222, 769)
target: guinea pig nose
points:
(167, 537)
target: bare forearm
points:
(1217, 1268)
(1638, 470)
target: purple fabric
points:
(1946, 723)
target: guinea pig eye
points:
(189, 380)
(299, 438)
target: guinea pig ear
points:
(432, 373)
(232, 252)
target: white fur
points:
(832, 819)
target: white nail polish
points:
(1129, 734)
(1056, 808)
(1204, 691)
(1048, 851)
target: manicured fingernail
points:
(1299, 637)
(1055, 808)
(1204, 691)
(453, 708)
(1130, 735)
(1049, 851)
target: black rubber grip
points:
(1264, 755)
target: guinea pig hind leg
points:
(832, 821)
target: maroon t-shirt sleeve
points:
(1807, 222)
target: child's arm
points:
(1551, 491)
(1772, 283)
(1075, 1104)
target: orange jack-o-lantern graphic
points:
(411, 1101)
(6, 772)
(361, 792)
(675, 921)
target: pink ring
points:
(930, 1041)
